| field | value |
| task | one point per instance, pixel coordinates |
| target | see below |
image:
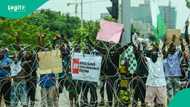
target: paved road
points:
(63, 100)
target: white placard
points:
(85, 67)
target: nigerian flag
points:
(159, 27)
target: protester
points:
(89, 86)
(110, 64)
(73, 86)
(140, 76)
(30, 67)
(49, 90)
(65, 54)
(172, 67)
(18, 75)
(5, 87)
(156, 91)
(123, 85)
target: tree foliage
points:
(45, 25)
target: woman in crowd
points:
(138, 68)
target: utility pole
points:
(76, 9)
(81, 13)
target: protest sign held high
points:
(171, 33)
(85, 67)
(110, 32)
(50, 61)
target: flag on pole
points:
(159, 27)
(155, 12)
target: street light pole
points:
(76, 8)
(81, 13)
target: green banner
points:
(19, 8)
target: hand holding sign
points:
(110, 32)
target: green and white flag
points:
(159, 27)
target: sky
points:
(93, 8)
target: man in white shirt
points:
(156, 91)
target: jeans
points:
(18, 93)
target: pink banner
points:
(110, 32)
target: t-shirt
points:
(172, 65)
(47, 80)
(4, 72)
(156, 75)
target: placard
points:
(170, 34)
(110, 32)
(50, 61)
(85, 67)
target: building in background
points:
(169, 14)
(141, 15)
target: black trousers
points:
(111, 89)
(31, 88)
(5, 91)
(102, 89)
(89, 87)
(139, 91)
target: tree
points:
(42, 26)
(18, 32)
(82, 34)
(55, 21)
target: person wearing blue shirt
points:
(5, 87)
(49, 91)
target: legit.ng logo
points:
(19, 8)
(16, 8)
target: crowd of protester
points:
(150, 74)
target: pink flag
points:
(110, 32)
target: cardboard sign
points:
(170, 34)
(85, 67)
(110, 32)
(49, 62)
